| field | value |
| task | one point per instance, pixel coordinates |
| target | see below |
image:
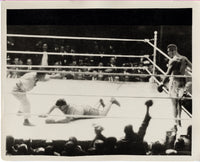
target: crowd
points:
(131, 144)
(101, 145)
(77, 73)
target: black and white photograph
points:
(110, 83)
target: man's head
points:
(172, 50)
(45, 47)
(61, 102)
(57, 63)
(98, 129)
(9, 142)
(16, 61)
(128, 129)
(62, 49)
(100, 64)
(69, 146)
(29, 61)
(112, 60)
(74, 140)
(20, 62)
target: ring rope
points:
(76, 54)
(69, 67)
(95, 95)
(166, 91)
(164, 54)
(79, 38)
(87, 38)
(157, 66)
(97, 116)
(157, 81)
(165, 75)
(96, 73)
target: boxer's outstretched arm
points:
(49, 112)
(52, 108)
(52, 121)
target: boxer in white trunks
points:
(25, 84)
(176, 66)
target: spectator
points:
(109, 146)
(21, 62)
(100, 76)
(183, 143)
(98, 148)
(130, 135)
(77, 149)
(80, 75)
(15, 74)
(22, 149)
(111, 50)
(170, 138)
(56, 48)
(10, 150)
(16, 61)
(86, 61)
(157, 149)
(72, 75)
(133, 142)
(60, 58)
(49, 150)
(29, 62)
(62, 49)
(67, 48)
(125, 78)
(99, 136)
(44, 61)
(39, 151)
(57, 63)
(97, 73)
(72, 148)
(97, 143)
(112, 63)
(10, 43)
(21, 68)
(66, 60)
(9, 73)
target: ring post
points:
(154, 52)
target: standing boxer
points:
(177, 66)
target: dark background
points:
(173, 26)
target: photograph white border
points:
(111, 4)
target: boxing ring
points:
(132, 110)
(131, 95)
